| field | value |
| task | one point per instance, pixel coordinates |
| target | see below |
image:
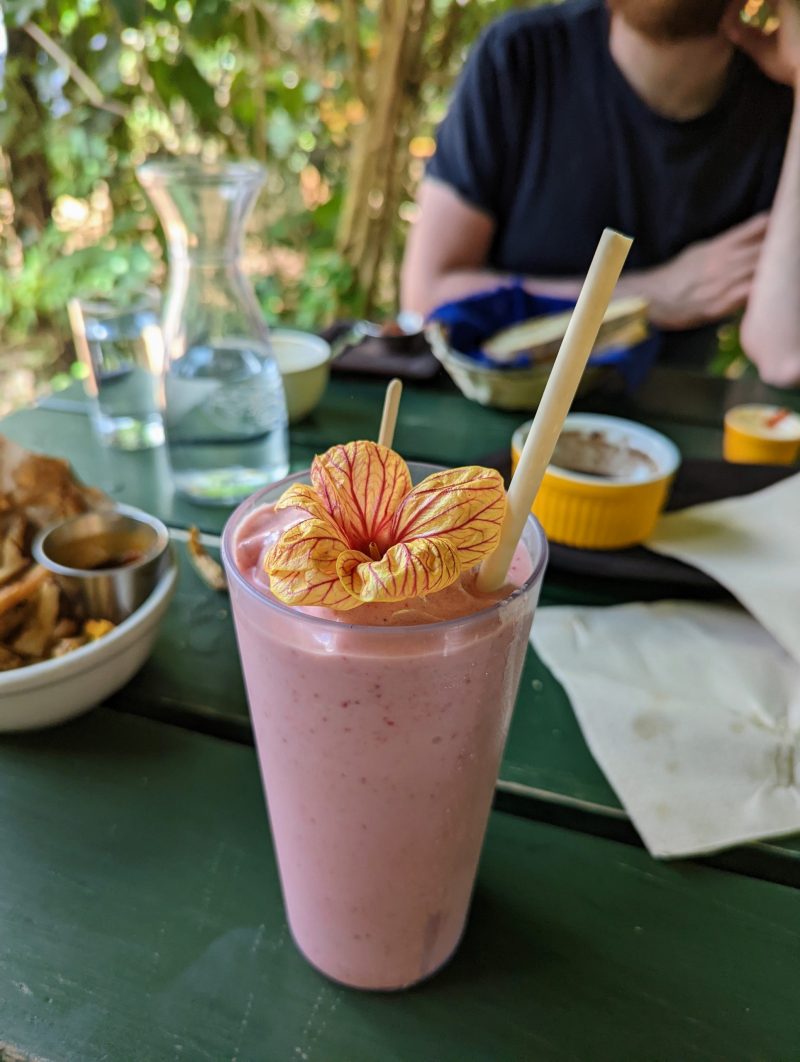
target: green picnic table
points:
(141, 914)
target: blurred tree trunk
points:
(380, 149)
(27, 167)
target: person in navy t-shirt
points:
(670, 120)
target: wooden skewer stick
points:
(562, 384)
(391, 405)
(775, 418)
(78, 326)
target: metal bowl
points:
(110, 559)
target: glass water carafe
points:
(224, 408)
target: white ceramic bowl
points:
(57, 690)
(304, 361)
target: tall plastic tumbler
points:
(379, 749)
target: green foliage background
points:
(93, 87)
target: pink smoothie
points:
(379, 734)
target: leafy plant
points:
(94, 87)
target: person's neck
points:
(679, 80)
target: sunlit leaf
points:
(182, 79)
(18, 12)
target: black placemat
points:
(698, 481)
(407, 357)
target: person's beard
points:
(671, 20)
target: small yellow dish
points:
(607, 483)
(754, 435)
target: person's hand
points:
(708, 280)
(777, 53)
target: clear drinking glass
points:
(120, 346)
(379, 749)
(223, 399)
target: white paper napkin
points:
(693, 713)
(751, 546)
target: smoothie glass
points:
(379, 748)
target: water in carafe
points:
(226, 420)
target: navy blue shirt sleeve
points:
(470, 148)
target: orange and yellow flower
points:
(370, 536)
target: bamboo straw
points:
(562, 384)
(391, 405)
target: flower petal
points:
(302, 496)
(302, 566)
(369, 537)
(361, 485)
(467, 505)
(409, 569)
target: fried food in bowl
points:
(37, 619)
(56, 660)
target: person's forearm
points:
(460, 283)
(423, 294)
(770, 330)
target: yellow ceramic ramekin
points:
(591, 512)
(749, 440)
